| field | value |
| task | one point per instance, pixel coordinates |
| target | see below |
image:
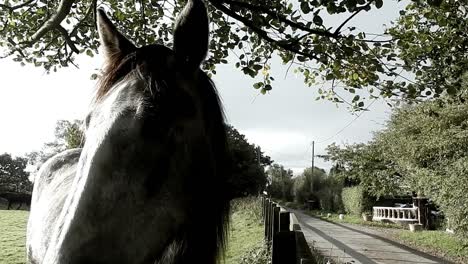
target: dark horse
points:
(149, 185)
(21, 198)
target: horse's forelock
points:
(115, 69)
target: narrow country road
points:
(354, 244)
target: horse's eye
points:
(87, 120)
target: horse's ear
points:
(112, 41)
(191, 34)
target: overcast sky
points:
(283, 122)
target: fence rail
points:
(396, 214)
(284, 236)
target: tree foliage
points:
(428, 39)
(423, 149)
(248, 165)
(280, 182)
(68, 135)
(365, 164)
(13, 177)
(307, 184)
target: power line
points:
(347, 125)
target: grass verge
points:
(13, 236)
(245, 241)
(437, 243)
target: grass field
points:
(245, 233)
(13, 236)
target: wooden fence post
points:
(270, 221)
(275, 223)
(284, 248)
(267, 220)
(284, 237)
(302, 248)
(284, 221)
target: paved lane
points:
(350, 244)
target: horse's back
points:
(51, 187)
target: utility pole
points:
(313, 145)
(258, 155)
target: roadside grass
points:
(245, 241)
(13, 236)
(436, 242)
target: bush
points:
(355, 200)
(452, 195)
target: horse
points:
(21, 198)
(150, 184)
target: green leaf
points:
(258, 85)
(318, 20)
(378, 3)
(305, 8)
(257, 67)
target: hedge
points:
(355, 200)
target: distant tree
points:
(13, 177)
(281, 182)
(68, 135)
(307, 184)
(248, 165)
(317, 186)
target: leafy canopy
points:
(422, 149)
(352, 66)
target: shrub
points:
(355, 200)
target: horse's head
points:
(150, 177)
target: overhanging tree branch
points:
(359, 9)
(53, 22)
(69, 42)
(283, 19)
(261, 33)
(12, 8)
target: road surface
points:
(346, 243)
